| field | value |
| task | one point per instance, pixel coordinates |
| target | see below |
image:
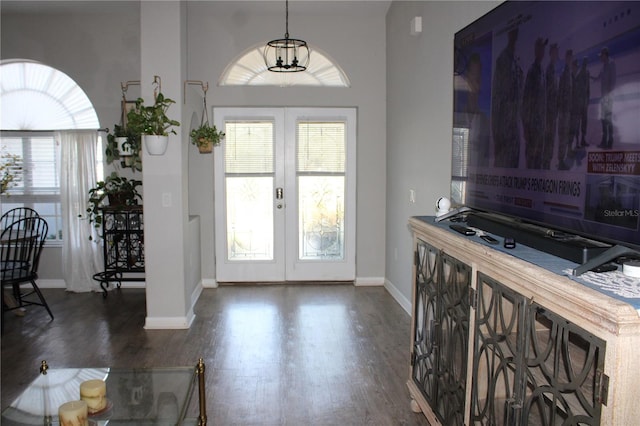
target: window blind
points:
(38, 169)
(321, 147)
(460, 156)
(37, 182)
(249, 147)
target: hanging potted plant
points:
(115, 190)
(152, 123)
(121, 138)
(133, 161)
(124, 145)
(205, 137)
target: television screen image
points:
(547, 116)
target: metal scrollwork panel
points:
(135, 251)
(109, 221)
(123, 240)
(425, 317)
(497, 359)
(120, 222)
(111, 250)
(135, 221)
(562, 364)
(452, 359)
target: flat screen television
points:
(547, 117)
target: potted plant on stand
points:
(152, 123)
(115, 190)
(205, 137)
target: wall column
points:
(163, 53)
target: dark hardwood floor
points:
(275, 355)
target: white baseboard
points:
(60, 283)
(398, 296)
(169, 323)
(195, 294)
(209, 283)
(173, 323)
(132, 284)
(206, 283)
(51, 283)
(369, 281)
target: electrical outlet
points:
(166, 199)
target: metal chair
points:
(15, 215)
(21, 244)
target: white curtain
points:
(81, 257)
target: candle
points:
(94, 393)
(73, 413)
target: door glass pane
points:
(249, 181)
(321, 187)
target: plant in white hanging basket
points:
(153, 120)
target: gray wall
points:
(419, 121)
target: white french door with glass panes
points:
(285, 194)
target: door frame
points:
(286, 267)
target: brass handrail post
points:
(200, 368)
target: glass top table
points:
(134, 396)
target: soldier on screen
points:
(607, 79)
(533, 108)
(582, 95)
(565, 86)
(505, 97)
(574, 118)
(551, 87)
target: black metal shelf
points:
(123, 246)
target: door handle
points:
(279, 193)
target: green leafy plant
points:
(153, 119)
(113, 154)
(205, 135)
(10, 170)
(114, 190)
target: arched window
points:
(35, 96)
(249, 69)
(36, 101)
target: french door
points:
(285, 194)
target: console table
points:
(504, 337)
(123, 246)
(135, 396)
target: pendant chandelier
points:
(286, 54)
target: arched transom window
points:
(249, 69)
(34, 96)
